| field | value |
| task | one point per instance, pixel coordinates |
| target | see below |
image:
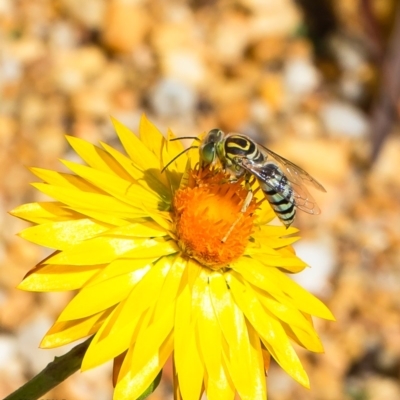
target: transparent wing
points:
(269, 178)
(294, 173)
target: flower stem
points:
(54, 373)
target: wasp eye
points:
(215, 135)
(207, 153)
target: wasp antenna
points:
(176, 157)
(185, 137)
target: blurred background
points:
(316, 81)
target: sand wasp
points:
(282, 182)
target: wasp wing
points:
(294, 173)
(298, 195)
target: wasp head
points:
(208, 149)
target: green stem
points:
(55, 372)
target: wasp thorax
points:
(210, 224)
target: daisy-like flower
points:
(166, 264)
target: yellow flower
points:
(167, 264)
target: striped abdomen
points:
(279, 192)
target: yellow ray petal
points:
(121, 267)
(151, 136)
(143, 177)
(147, 229)
(307, 339)
(150, 340)
(209, 333)
(175, 169)
(103, 250)
(272, 231)
(43, 212)
(97, 158)
(65, 332)
(100, 216)
(269, 330)
(144, 158)
(225, 389)
(132, 386)
(189, 367)
(304, 300)
(105, 347)
(161, 217)
(125, 191)
(124, 325)
(233, 326)
(61, 235)
(285, 312)
(275, 243)
(256, 273)
(88, 301)
(64, 180)
(169, 290)
(56, 278)
(95, 201)
(257, 364)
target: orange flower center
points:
(210, 225)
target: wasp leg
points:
(249, 196)
(245, 205)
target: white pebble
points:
(300, 77)
(320, 256)
(341, 118)
(171, 98)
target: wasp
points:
(282, 182)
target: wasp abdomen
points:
(283, 203)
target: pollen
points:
(211, 226)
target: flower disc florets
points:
(210, 225)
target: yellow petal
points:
(141, 156)
(223, 388)
(304, 338)
(172, 283)
(105, 346)
(94, 201)
(233, 326)
(65, 332)
(43, 212)
(256, 357)
(123, 326)
(103, 250)
(121, 189)
(257, 274)
(61, 235)
(269, 330)
(162, 218)
(150, 340)
(121, 267)
(143, 177)
(147, 229)
(175, 169)
(64, 180)
(189, 367)
(304, 300)
(131, 386)
(209, 333)
(296, 325)
(88, 301)
(285, 312)
(151, 136)
(97, 158)
(56, 278)
(100, 216)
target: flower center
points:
(210, 225)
